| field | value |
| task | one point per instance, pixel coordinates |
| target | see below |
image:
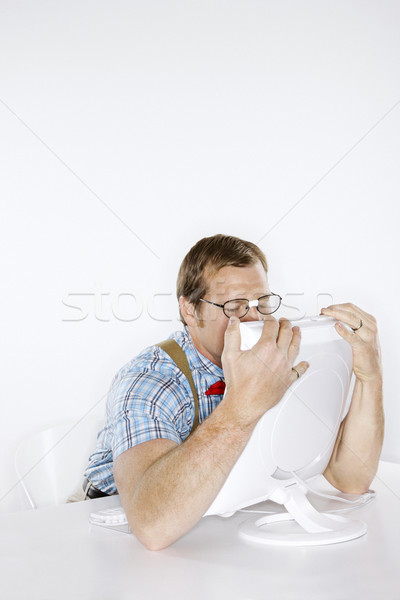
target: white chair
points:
(50, 463)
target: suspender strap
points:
(178, 355)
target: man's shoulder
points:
(155, 361)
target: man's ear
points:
(188, 311)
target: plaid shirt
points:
(150, 398)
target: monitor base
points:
(252, 530)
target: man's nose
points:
(252, 315)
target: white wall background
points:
(131, 129)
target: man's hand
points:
(256, 379)
(367, 363)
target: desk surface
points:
(54, 553)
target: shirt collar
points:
(200, 361)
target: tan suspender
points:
(178, 355)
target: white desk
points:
(55, 553)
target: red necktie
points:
(216, 388)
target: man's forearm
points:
(178, 488)
(355, 457)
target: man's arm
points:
(166, 488)
(358, 446)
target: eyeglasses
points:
(266, 305)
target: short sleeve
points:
(149, 406)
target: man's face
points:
(207, 325)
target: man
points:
(167, 479)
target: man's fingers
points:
(269, 331)
(299, 370)
(285, 334)
(351, 336)
(350, 314)
(232, 336)
(294, 347)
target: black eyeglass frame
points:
(249, 304)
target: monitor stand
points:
(317, 528)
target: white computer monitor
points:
(294, 440)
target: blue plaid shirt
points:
(150, 398)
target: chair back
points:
(50, 463)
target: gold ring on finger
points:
(359, 327)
